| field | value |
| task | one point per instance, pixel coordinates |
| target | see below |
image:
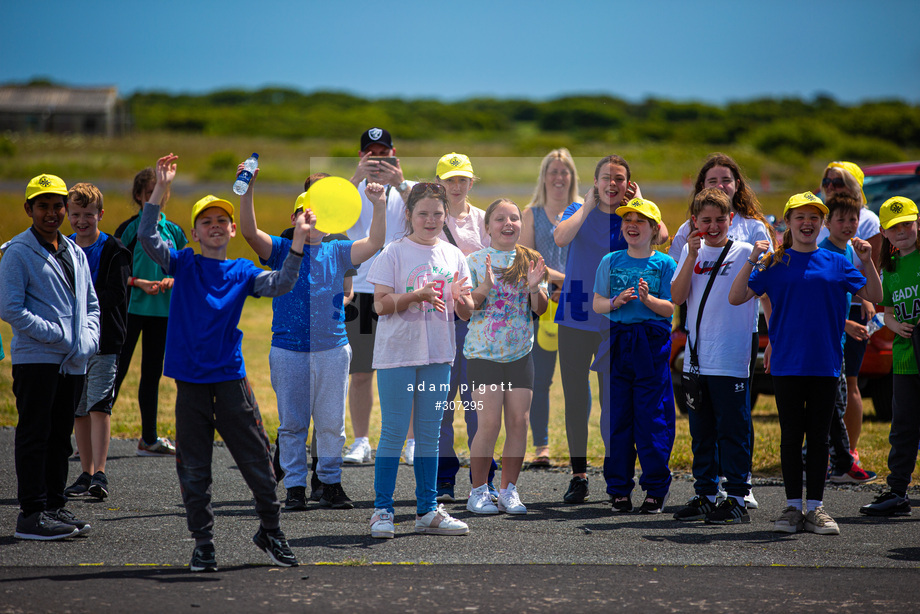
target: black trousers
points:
(45, 401)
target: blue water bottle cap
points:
(254, 155)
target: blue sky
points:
(681, 50)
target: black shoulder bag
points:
(690, 380)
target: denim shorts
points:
(99, 390)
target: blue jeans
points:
(724, 423)
(396, 402)
(448, 463)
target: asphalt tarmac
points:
(556, 557)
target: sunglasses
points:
(837, 182)
(422, 188)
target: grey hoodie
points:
(51, 323)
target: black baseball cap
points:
(376, 135)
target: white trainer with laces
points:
(510, 502)
(439, 522)
(408, 454)
(750, 502)
(382, 526)
(359, 452)
(480, 502)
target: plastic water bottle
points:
(877, 322)
(245, 176)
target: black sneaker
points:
(65, 516)
(42, 526)
(445, 492)
(622, 505)
(316, 488)
(887, 504)
(203, 558)
(728, 512)
(99, 487)
(334, 496)
(275, 546)
(697, 508)
(577, 492)
(296, 498)
(653, 505)
(80, 487)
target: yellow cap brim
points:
(909, 217)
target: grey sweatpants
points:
(231, 409)
(311, 384)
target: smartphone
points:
(389, 160)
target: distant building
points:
(61, 110)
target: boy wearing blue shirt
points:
(204, 356)
(49, 301)
(310, 353)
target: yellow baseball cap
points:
(897, 209)
(641, 206)
(46, 184)
(800, 200)
(210, 201)
(454, 165)
(854, 170)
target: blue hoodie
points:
(50, 322)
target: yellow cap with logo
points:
(46, 184)
(454, 165)
(897, 209)
(643, 207)
(211, 201)
(801, 200)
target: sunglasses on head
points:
(422, 187)
(837, 182)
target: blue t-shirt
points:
(618, 271)
(93, 253)
(849, 253)
(598, 236)
(311, 317)
(203, 343)
(808, 291)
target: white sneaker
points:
(480, 502)
(408, 454)
(382, 524)
(750, 502)
(439, 522)
(510, 502)
(359, 452)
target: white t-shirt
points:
(420, 335)
(724, 346)
(396, 228)
(869, 226)
(470, 232)
(747, 229)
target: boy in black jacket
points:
(110, 264)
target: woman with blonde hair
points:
(556, 189)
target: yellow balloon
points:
(335, 202)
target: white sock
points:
(813, 504)
(738, 500)
(796, 503)
(712, 498)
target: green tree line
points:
(777, 127)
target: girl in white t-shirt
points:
(419, 282)
(498, 351)
(721, 425)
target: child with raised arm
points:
(807, 287)
(110, 265)
(310, 353)
(204, 356)
(632, 289)
(721, 340)
(509, 282)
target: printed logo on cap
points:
(455, 161)
(375, 133)
(44, 182)
(810, 196)
(896, 207)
